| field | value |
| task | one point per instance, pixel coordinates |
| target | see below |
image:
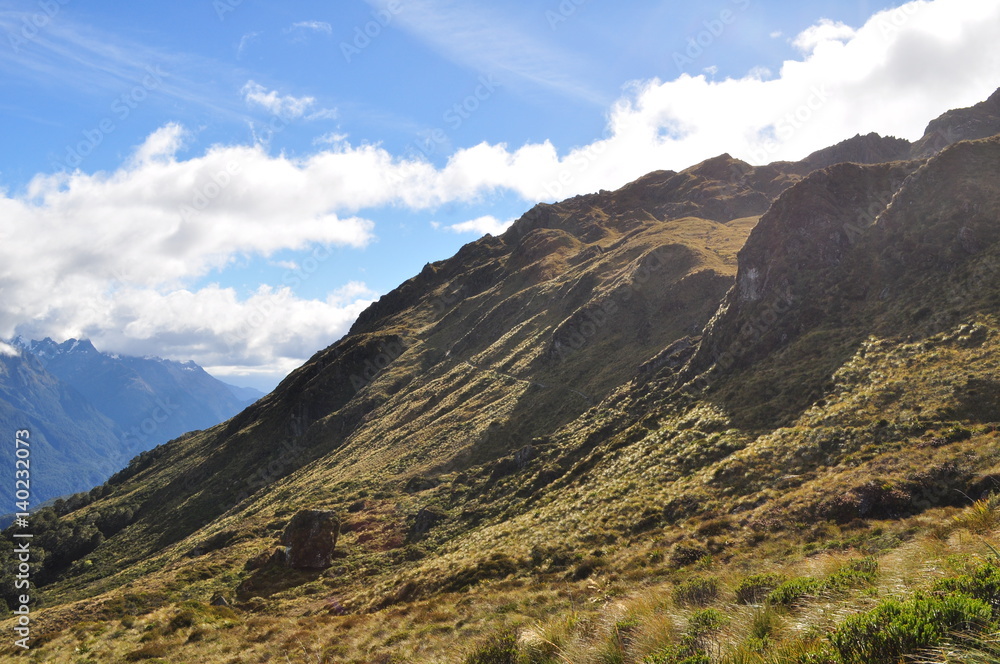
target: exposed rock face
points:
(311, 536)
(960, 124)
(854, 250)
(868, 149)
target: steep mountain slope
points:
(488, 350)
(720, 369)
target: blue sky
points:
(233, 181)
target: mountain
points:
(153, 400)
(73, 445)
(246, 395)
(718, 411)
(91, 412)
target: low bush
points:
(755, 588)
(858, 573)
(790, 592)
(696, 592)
(149, 651)
(499, 648)
(982, 516)
(982, 584)
(895, 629)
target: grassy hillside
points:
(674, 423)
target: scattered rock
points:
(523, 456)
(426, 519)
(311, 537)
(219, 600)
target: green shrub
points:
(687, 552)
(983, 584)
(696, 592)
(956, 433)
(705, 622)
(790, 592)
(185, 618)
(676, 655)
(499, 648)
(755, 588)
(764, 624)
(894, 629)
(855, 574)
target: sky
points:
(234, 181)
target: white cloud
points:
(255, 94)
(821, 33)
(479, 226)
(317, 26)
(270, 332)
(286, 107)
(245, 41)
(8, 350)
(331, 138)
(892, 75)
(112, 254)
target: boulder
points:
(311, 537)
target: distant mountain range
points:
(90, 412)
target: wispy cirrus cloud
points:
(245, 42)
(315, 26)
(72, 55)
(477, 36)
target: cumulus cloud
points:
(283, 106)
(112, 254)
(821, 33)
(479, 226)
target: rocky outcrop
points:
(311, 537)
(960, 124)
(868, 149)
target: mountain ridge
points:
(622, 386)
